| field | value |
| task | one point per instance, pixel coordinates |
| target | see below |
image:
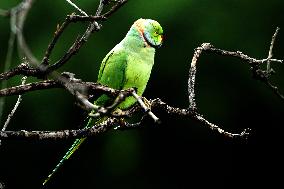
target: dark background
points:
(179, 153)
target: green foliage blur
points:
(179, 153)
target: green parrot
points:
(127, 65)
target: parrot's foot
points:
(148, 110)
(121, 121)
(121, 124)
(146, 102)
(117, 112)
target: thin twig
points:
(100, 8)
(244, 134)
(240, 55)
(23, 48)
(79, 18)
(57, 35)
(8, 61)
(275, 90)
(59, 31)
(114, 8)
(259, 74)
(270, 53)
(14, 109)
(76, 7)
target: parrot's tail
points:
(68, 154)
(71, 150)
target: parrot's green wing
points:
(112, 72)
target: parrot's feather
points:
(112, 70)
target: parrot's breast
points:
(137, 73)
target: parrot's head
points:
(151, 31)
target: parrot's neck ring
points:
(149, 44)
(140, 30)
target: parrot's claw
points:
(121, 124)
(146, 102)
(117, 112)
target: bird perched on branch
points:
(127, 65)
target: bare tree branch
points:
(59, 30)
(22, 69)
(113, 121)
(82, 91)
(157, 103)
(44, 70)
(262, 75)
(90, 87)
(93, 26)
(21, 89)
(64, 134)
(114, 8)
